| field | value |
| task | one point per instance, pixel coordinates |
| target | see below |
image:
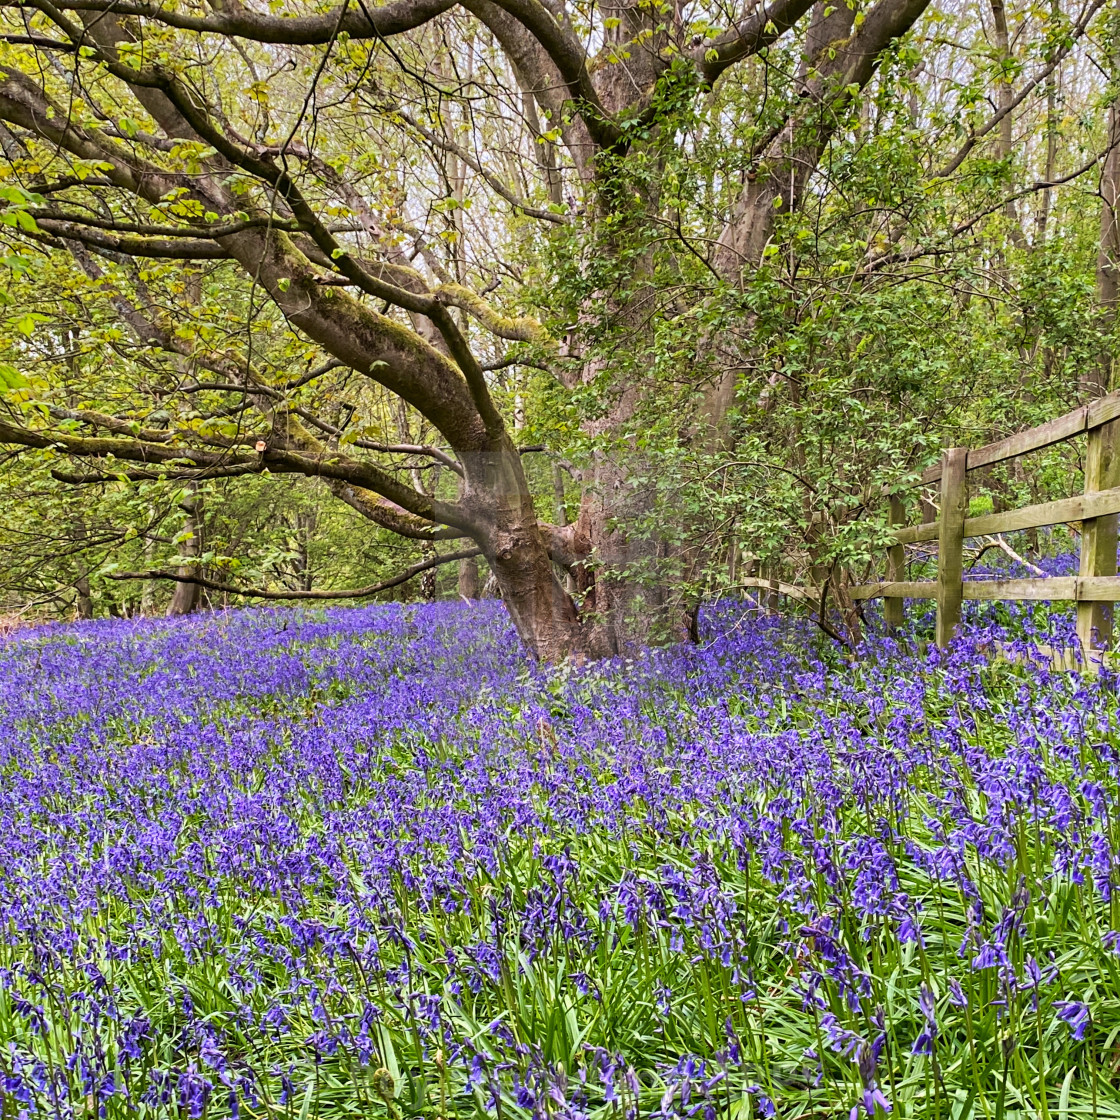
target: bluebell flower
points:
(1075, 1015)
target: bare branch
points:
(265, 593)
(569, 57)
(39, 41)
(1052, 64)
(94, 477)
(905, 256)
(356, 21)
(447, 145)
(267, 390)
(388, 448)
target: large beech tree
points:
(321, 163)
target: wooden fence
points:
(1094, 588)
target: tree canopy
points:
(611, 299)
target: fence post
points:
(1098, 538)
(894, 610)
(950, 542)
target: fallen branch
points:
(997, 541)
(265, 593)
(1001, 543)
(816, 599)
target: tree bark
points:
(83, 606)
(185, 598)
(1005, 95)
(1099, 377)
(470, 586)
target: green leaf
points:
(11, 378)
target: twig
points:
(794, 592)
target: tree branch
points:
(353, 20)
(264, 593)
(1052, 64)
(371, 343)
(233, 471)
(388, 448)
(567, 54)
(275, 459)
(749, 34)
(905, 256)
(183, 248)
(499, 188)
(349, 266)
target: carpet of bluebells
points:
(371, 862)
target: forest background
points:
(599, 308)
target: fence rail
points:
(1081, 420)
(1081, 589)
(1094, 589)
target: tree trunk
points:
(470, 586)
(560, 516)
(786, 165)
(1099, 377)
(185, 598)
(305, 524)
(543, 613)
(505, 526)
(148, 590)
(428, 579)
(630, 599)
(1005, 95)
(1043, 214)
(84, 605)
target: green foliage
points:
(913, 297)
(892, 315)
